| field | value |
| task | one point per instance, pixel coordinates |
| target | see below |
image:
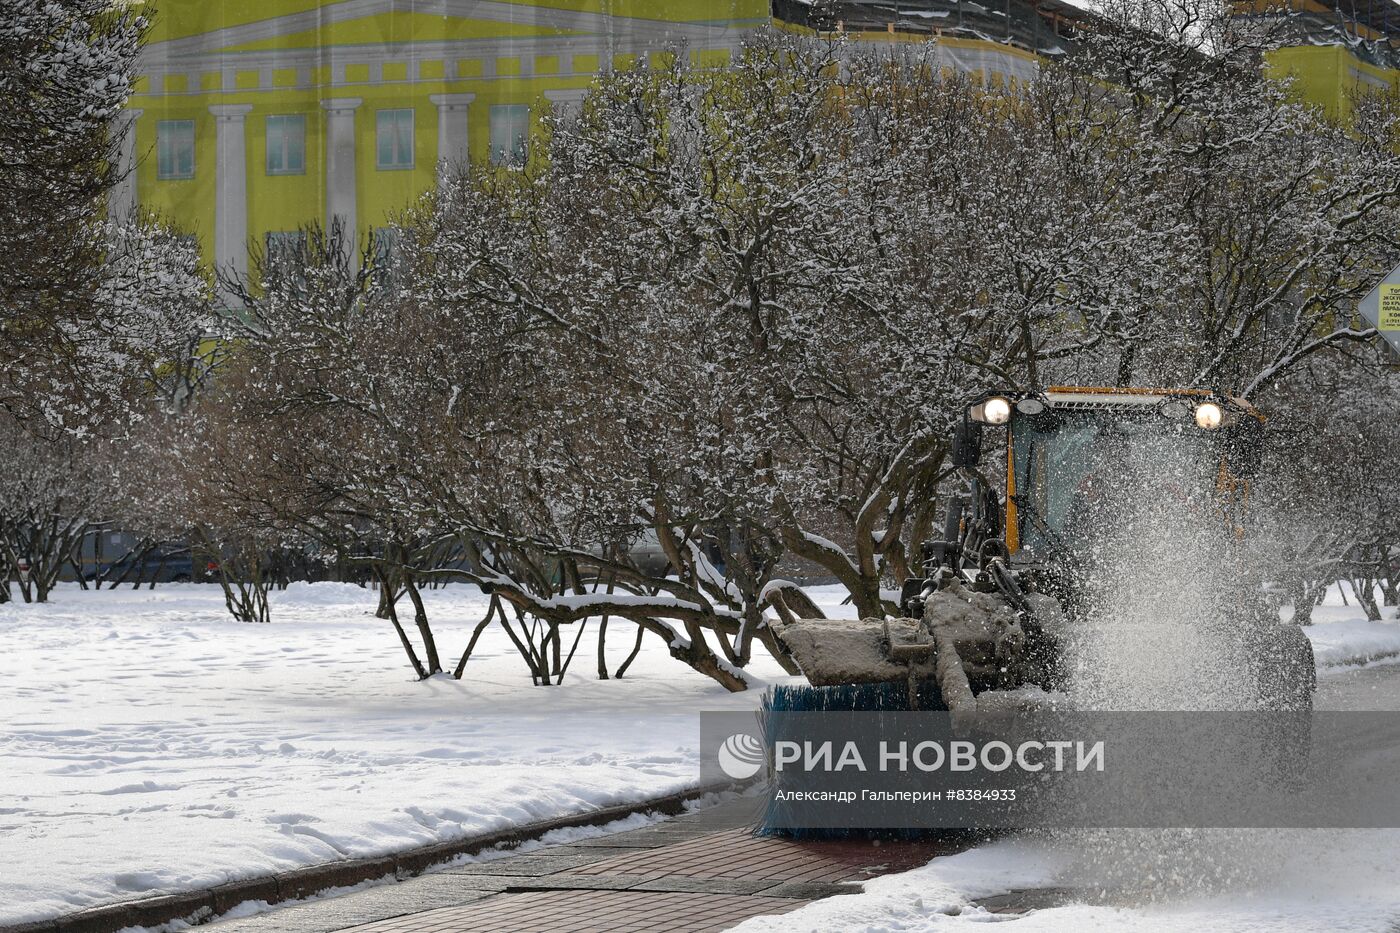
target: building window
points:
(510, 127)
(394, 132)
(175, 149)
(286, 144)
(285, 251)
(385, 256)
(386, 246)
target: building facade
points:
(1333, 49)
(253, 118)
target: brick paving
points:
(591, 912)
(736, 853)
(699, 872)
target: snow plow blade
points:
(960, 656)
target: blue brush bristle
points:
(865, 697)
(872, 698)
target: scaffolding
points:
(1369, 29)
(1042, 27)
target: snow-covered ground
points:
(1341, 634)
(151, 744)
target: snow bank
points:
(1354, 641)
(1153, 881)
(1342, 635)
(153, 745)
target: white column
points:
(340, 165)
(231, 188)
(567, 104)
(122, 200)
(452, 131)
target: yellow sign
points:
(1388, 317)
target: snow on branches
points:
(88, 306)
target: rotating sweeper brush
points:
(962, 652)
(984, 628)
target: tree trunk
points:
(564, 667)
(778, 650)
(491, 610)
(1390, 578)
(539, 671)
(602, 644)
(1365, 591)
(420, 618)
(701, 658)
(388, 595)
(556, 656)
(636, 649)
(393, 617)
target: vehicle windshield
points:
(1077, 467)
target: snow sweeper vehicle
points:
(1026, 564)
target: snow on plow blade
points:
(968, 643)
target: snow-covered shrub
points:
(51, 489)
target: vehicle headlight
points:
(996, 410)
(1209, 416)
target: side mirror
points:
(967, 444)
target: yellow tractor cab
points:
(1073, 444)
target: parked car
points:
(161, 565)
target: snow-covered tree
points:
(1263, 221)
(51, 490)
(1324, 489)
(96, 312)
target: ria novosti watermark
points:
(741, 756)
(928, 756)
(916, 770)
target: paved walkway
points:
(700, 871)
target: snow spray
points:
(1159, 633)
